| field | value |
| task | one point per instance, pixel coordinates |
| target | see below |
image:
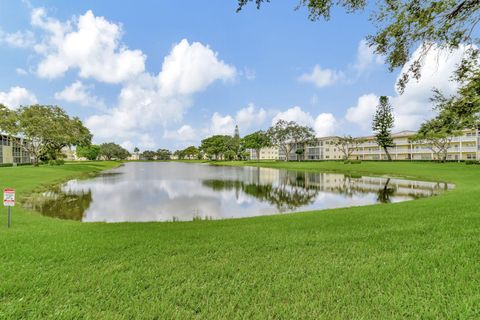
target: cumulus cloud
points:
(325, 124)
(184, 133)
(190, 68)
(322, 77)
(366, 57)
(90, 44)
(222, 124)
(151, 101)
(79, 93)
(294, 114)
(362, 112)
(248, 119)
(413, 106)
(17, 96)
(19, 39)
(250, 116)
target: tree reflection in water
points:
(384, 195)
(61, 204)
(291, 191)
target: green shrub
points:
(468, 162)
(6, 165)
(23, 164)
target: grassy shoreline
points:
(412, 259)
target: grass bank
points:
(418, 259)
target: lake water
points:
(172, 191)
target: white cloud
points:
(246, 119)
(190, 68)
(222, 124)
(88, 43)
(79, 93)
(17, 96)
(152, 101)
(366, 57)
(144, 142)
(322, 77)
(294, 114)
(325, 125)
(250, 116)
(20, 39)
(413, 106)
(362, 112)
(21, 71)
(184, 133)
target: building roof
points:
(405, 133)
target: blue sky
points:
(167, 74)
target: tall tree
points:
(256, 141)
(163, 154)
(402, 25)
(8, 122)
(47, 129)
(89, 152)
(217, 145)
(149, 155)
(462, 109)
(438, 141)
(347, 145)
(191, 152)
(287, 135)
(113, 151)
(382, 125)
(437, 133)
(179, 154)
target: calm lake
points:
(171, 191)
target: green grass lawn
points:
(417, 259)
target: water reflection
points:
(179, 191)
(58, 203)
(284, 197)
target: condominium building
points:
(463, 147)
(270, 153)
(11, 150)
(323, 149)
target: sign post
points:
(8, 201)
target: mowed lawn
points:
(417, 259)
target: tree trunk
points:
(389, 157)
(258, 154)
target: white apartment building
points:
(270, 153)
(463, 147)
(11, 151)
(323, 149)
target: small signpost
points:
(8, 201)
